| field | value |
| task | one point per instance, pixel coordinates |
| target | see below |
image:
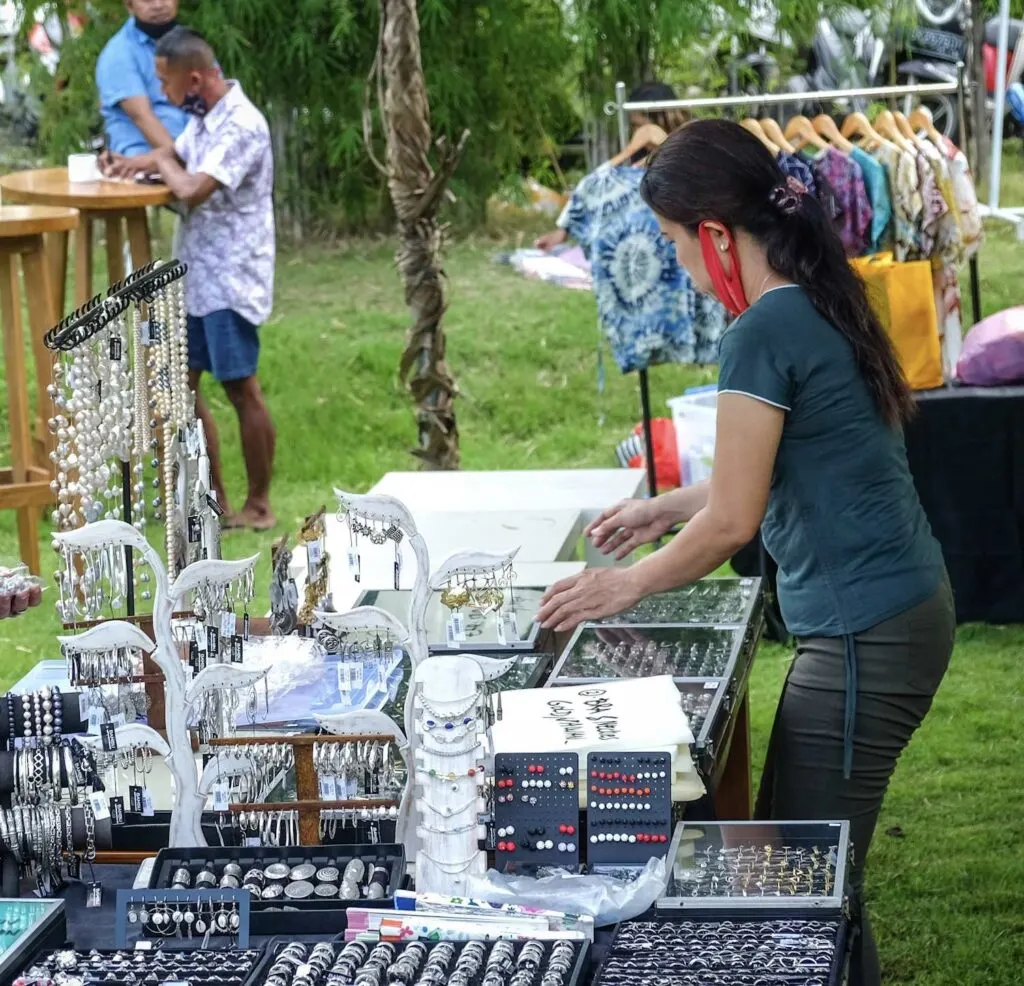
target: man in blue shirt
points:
(137, 116)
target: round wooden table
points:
(25, 486)
(109, 201)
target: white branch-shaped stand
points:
(224, 766)
(109, 636)
(186, 818)
(132, 734)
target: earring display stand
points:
(238, 899)
(307, 789)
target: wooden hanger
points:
(801, 132)
(826, 126)
(903, 124)
(858, 125)
(885, 124)
(755, 128)
(774, 133)
(647, 138)
(921, 119)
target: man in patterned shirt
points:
(222, 169)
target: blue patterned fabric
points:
(795, 168)
(649, 310)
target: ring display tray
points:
(394, 951)
(741, 948)
(26, 926)
(741, 866)
(284, 913)
(709, 601)
(481, 632)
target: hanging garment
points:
(934, 206)
(966, 197)
(646, 302)
(878, 192)
(846, 180)
(901, 170)
(793, 167)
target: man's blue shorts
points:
(224, 344)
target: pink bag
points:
(993, 352)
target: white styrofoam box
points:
(694, 416)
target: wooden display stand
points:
(307, 788)
(25, 486)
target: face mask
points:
(195, 104)
(155, 31)
(728, 287)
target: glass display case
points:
(708, 601)
(26, 926)
(481, 628)
(750, 865)
(597, 653)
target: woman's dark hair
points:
(659, 92)
(716, 170)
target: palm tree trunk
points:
(416, 192)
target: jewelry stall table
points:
(25, 486)
(106, 201)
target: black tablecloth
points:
(966, 453)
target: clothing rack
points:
(621, 108)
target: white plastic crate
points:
(694, 416)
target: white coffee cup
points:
(83, 168)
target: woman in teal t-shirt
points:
(809, 450)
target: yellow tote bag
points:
(903, 297)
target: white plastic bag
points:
(605, 898)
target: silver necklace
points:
(450, 812)
(425, 748)
(459, 865)
(449, 714)
(458, 831)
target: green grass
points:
(947, 888)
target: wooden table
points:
(25, 486)
(106, 201)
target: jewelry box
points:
(734, 602)
(310, 892)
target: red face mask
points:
(728, 287)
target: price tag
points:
(108, 734)
(245, 627)
(117, 719)
(95, 720)
(211, 499)
(398, 571)
(94, 897)
(502, 642)
(193, 654)
(143, 945)
(353, 565)
(147, 803)
(458, 627)
(344, 677)
(236, 649)
(195, 530)
(115, 348)
(252, 841)
(117, 811)
(73, 865)
(83, 706)
(710, 686)
(135, 798)
(212, 643)
(227, 625)
(146, 332)
(156, 330)
(449, 633)
(328, 788)
(220, 796)
(98, 803)
(508, 618)
(314, 557)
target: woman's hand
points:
(549, 241)
(629, 524)
(591, 595)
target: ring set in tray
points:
(124, 967)
(704, 636)
(287, 884)
(731, 916)
(423, 963)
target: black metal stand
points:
(975, 290)
(645, 407)
(126, 508)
